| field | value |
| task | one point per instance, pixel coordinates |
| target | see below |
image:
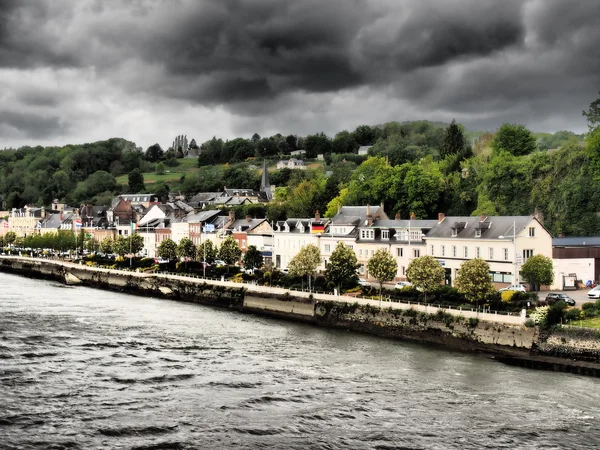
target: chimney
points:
(339, 208)
(317, 216)
(60, 216)
(43, 214)
(369, 216)
(538, 215)
(441, 217)
(248, 219)
(482, 218)
(413, 216)
(397, 216)
(231, 215)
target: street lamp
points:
(513, 239)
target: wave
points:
(160, 446)
(38, 355)
(137, 431)
(259, 431)
(156, 379)
(238, 385)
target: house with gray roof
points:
(504, 242)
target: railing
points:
(386, 302)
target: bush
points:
(588, 305)
(507, 296)
(573, 314)
(529, 323)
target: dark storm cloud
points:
(486, 61)
(15, 124)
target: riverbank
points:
(505, 336)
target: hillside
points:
(413, 167)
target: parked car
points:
(594, 293)
(363, 283)
(402, 284)
(514, 287)
(554, 297)
(219, 263)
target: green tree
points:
(135, 181)
(136, 243)
(10, 237)
(230, 251)
(120, 246)
(206, 252)
(364, 135)
(538, 271)
(341, 265)
(454, 140)
(473, 280)
(383, 267)
(253, 258)
(515, 139)
(593, 114)
(154, 153)
(306, 262)
(426, 274)
(317, 144)
(160, 169)
(106, 245)
(186, 248)
(167, 250)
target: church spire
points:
(265, 184)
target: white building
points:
(505, 242)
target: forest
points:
(418, 167)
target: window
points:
(367, 234)
(527, 254)
(491, 250)
(505, 253)
(477, 252)
(372, 252)
(531, 231)
(360, 252)
(454, 232)
(361, 269)
(432, 250)
(403, 270)
(454, 251)
(415, 235)
(466, 252)
(443, 250)
(385, 234)
(327, 248)
(416, 253)
(399, 252)
(478, 232)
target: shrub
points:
(473, 322)
(507, 296)
(573, 314)
(529, 323)
(588, 305)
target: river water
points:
(83, 368)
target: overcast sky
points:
(147, 70)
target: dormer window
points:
(478, 232)
(454, 232)
(385, 234)
(367, 234)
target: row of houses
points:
(505, 242)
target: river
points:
(83, 368)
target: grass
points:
(594, 322)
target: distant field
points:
(185, 167)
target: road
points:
(580, 296)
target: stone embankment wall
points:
(505, 336)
